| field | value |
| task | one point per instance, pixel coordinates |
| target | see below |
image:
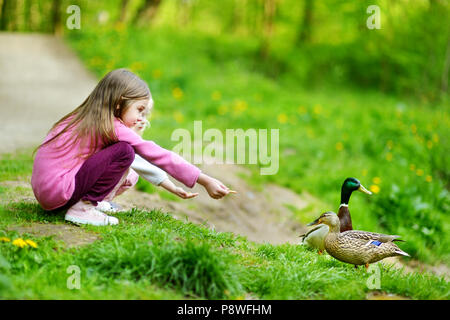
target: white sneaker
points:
(85, 213)
(106, 207)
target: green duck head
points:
(350, 185)
(330, 219)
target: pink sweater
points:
(54, 170)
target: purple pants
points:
(100, 173)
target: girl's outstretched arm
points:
(214, 187)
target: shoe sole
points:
(79, 221)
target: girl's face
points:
(137, 112)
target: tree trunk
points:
(269, 14)
(306, 24)
(27, 15)
(123, 10)
(146, 12)
(56, 17)
(4, 15)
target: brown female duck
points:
(357, 247)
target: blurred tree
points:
(185, 10)
(56, 24)
(123, 10)
(8, 15)
(146, 12)
(27, 15)
(270, 7)
(305, 32)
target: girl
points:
(142, 168)
(86, 155)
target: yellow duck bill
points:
(364, 190)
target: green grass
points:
(396, 146)
(151, 255)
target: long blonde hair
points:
(94, 118)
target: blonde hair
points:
(94, 118)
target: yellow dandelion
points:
(317, 109)
(239, 106)
(223, 109)
(390, 144)
(216, 95)
(178, 116)
(19, 243)
(376, 180)
(435, 138)
(137, 66)
(429, 144)
(282, 118)
(301, 110)
(339, 146)
(111, 65)
(419, 172)
(156, 74)
(389, 156)
(428, 178)
(374, 188)
(413, 128)
(5, 239)
(412, 167)
(31, 243)
(177, 93)
(96, 61)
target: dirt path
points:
(41, 80)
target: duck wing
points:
(365, 235)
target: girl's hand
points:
(184, 194)
(169, 186)
(214, 187)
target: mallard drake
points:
(357, 247)
(316, 236)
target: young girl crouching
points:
(86, 155)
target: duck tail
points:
(399, 240)
(401, 253)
